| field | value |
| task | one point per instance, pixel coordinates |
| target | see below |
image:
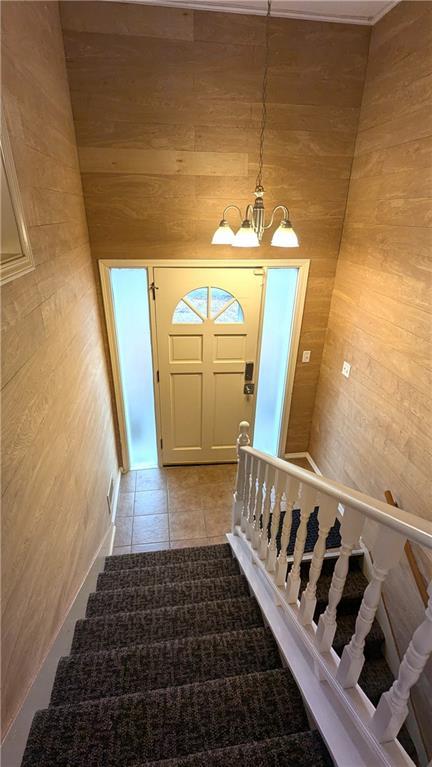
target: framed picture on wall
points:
(16, 257)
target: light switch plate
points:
(306, 356)
(346, 369)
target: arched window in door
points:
(208, 303)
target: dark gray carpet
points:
(163, 664)
(167, 723)
(153, 576)
(168, 594)
(296, 750)
(197, 682)
(164, 623)
(168, 557)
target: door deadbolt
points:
(249, 369)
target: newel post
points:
(392, 708)
(243, 440)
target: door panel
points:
(207, 322)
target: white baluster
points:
(276, 511)
(252, 496)
(387, 551)
(326, 517)
(258, 505)
(268, 485)
(242, 441)
(307, 505)
(392, 708)
(351, 527)
(246, 494)
(291, 495)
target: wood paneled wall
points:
(58, 450)
(373, 430)
(166, 108)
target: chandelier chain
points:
(264, 97)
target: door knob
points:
(249, 388)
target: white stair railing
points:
(268, 488)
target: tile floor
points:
(174, 507)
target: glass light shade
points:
(285, 236)
(246, 237)
(223, 235)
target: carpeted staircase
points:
(173, 667)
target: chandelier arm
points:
(249, 212)
(278, 207)
(228, 207)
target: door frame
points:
(150, 264)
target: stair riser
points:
(167, 723)
(123, 630)
(152, 576)
(170, 556)
(164, 665)
(187, 592)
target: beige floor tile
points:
(185, 525)
(128, 482)
(199, 498)
(150, 479)
(197, 542)
(123, 534)
(217, 522)
(151, 528)
(150, 502)
(125, 505)
(140, 547)
(194, 476)
(121, 550)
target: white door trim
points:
(150, 264)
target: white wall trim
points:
(308, 457)
(116, 497)
(105, 265)
(230, 6)
(39, 693)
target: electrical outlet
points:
(306, 356)
(346, 369)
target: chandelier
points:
(253, 223)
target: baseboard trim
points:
(116, 496)
(39, 693)
(308, 457)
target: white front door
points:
(207, 323)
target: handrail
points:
(271, 495)
(408, 525)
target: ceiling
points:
(342, 11)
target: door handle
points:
(249, 388)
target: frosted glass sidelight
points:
(132, 322)
(280, 296)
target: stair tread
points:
(297, 750)
(167, 723)
(165, 556)
(182, 571)
(109, 673)
(168, 594)
(164, 623)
